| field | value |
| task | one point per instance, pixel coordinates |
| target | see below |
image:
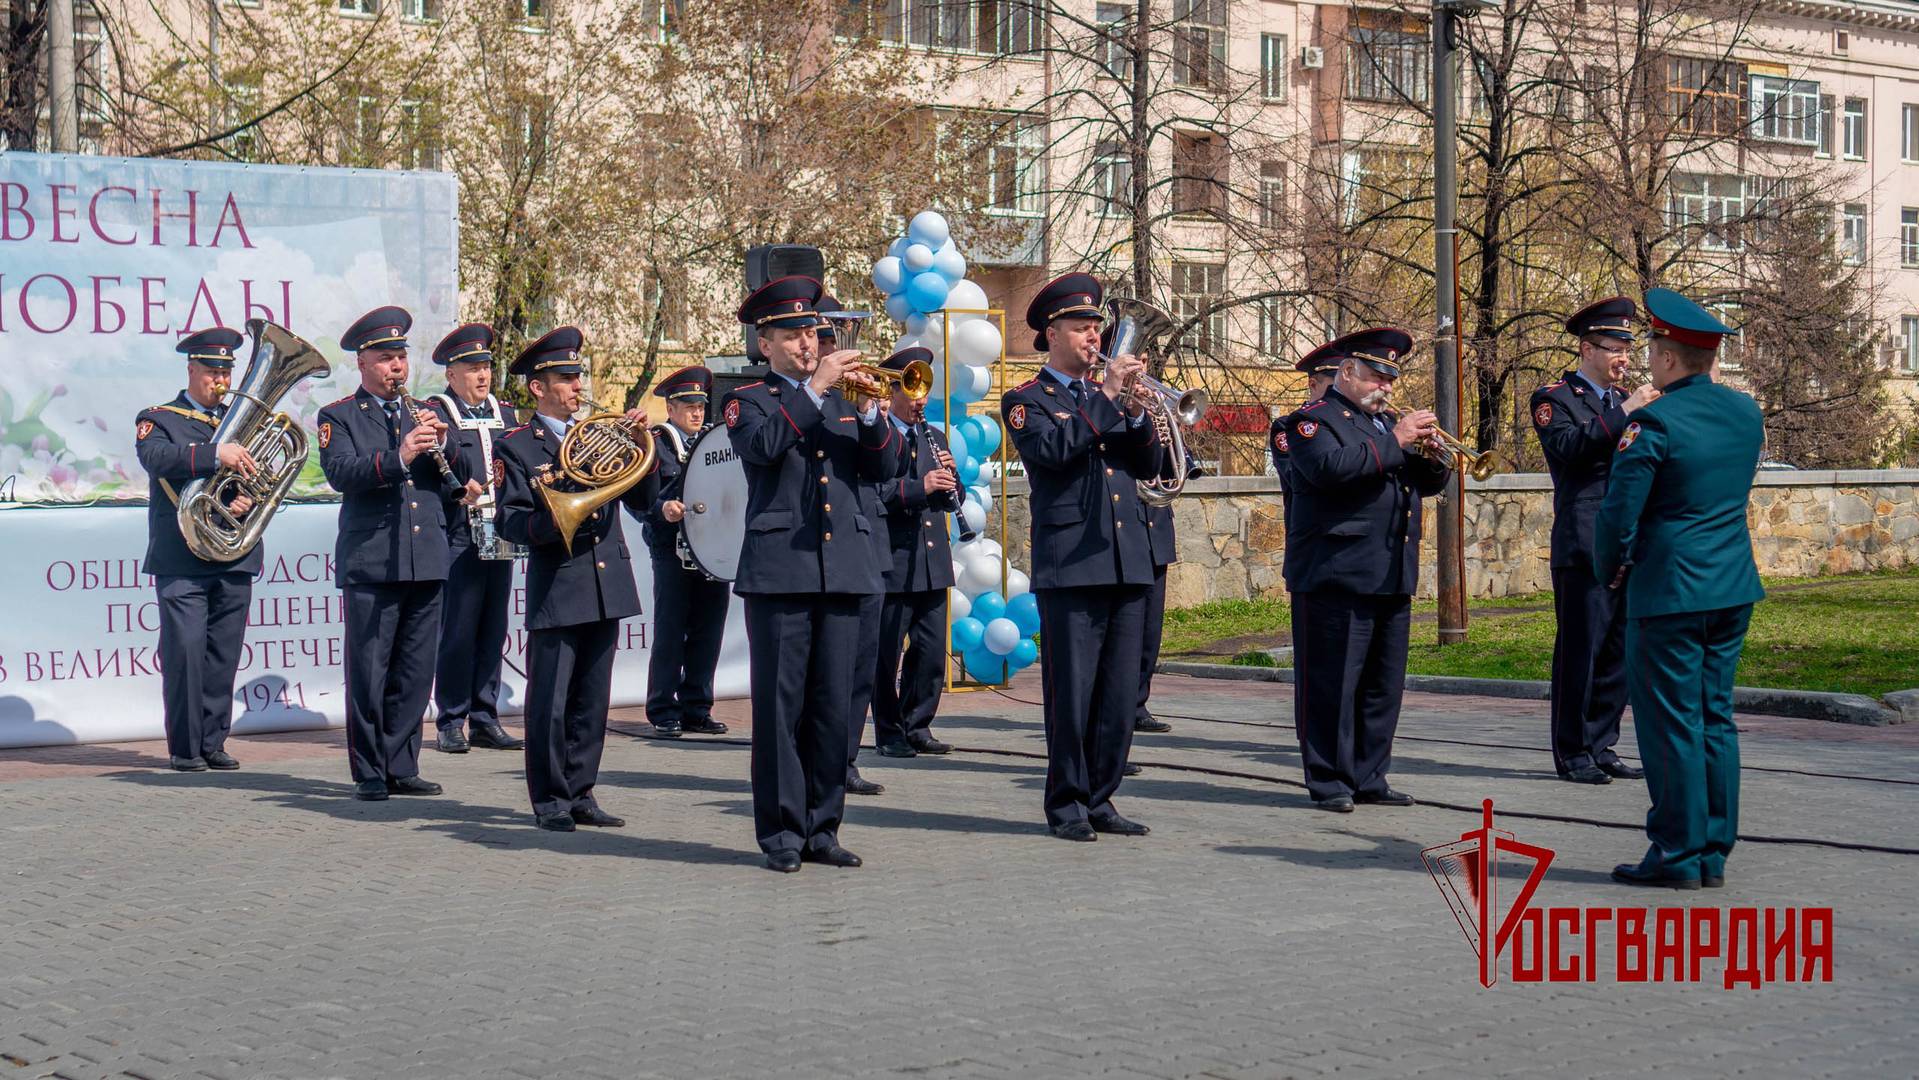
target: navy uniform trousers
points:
(912, 665)
(466, 685)
(392, 639)
(1154, 629)
(202, 622)
(689, 623)
(1589, 668)
(801, 648)
(1349, 657)
(1089, 711)
(569, 677)
(872, 609)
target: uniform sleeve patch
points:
(1279, 440)
(326, 435)
(1307, 428)
(499, 472)
(1016, 418)
(1543, 415)
(144, 428)
(733, 413)
(1626, 438)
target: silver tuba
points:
(278, 446)
(1139, 325)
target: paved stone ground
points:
(262, 924)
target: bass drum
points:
(714, 492)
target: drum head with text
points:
(715, 496)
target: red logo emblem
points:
(1308, 428)
(1017, 418)
(1544, 414)
(1626, 439)
(1279, 440)
(145, 428)
(326, 435)
(733, 414)
(1467, 873)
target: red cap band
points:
(1698, 339)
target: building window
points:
(1388, 59)
(1785, 110)
(1909, 132)
(1272, 333)
(243, 105)
(1909, 343)
(1199, 43)
(90, 76)
(1274, 61)
(657, 19)
(1009, 27)
(420, 10)
(420, 124)
(526, 134)
(1909, 237)
(1196, 286)
(1828, 118)
(1852, 141)
(1710, 206)
(1841, 42)
(530, 13)
(1113, 179)
(1014, 169)
(1852, 233)
(360, 7)
(1199, 174)
(1272, 194)
(1114, 52)
(665, 295)
(1705, 97)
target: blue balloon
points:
(984, 439)
(927, 292)
(984, 666)
(897, 248)
(949, 264)
(967, 634)
(988, 606)
(935, 410)
(1024, 611)
(1024, 653)
(956, 443)
(929, 228)
(889, 276)
(898, 307)
(968, 470)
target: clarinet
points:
(438, 453)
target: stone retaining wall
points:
(1805, 523)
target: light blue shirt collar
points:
(557, 427)
(1590, 385)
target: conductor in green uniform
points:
(1672, 532)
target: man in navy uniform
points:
(466, 684)
(919, 570)
(1159, 529)
(806, 566)
(574, 600)
(1578, 419)
(1352, 564)
(1085, 446)
(689, 608)
(203, 605)
(1320, 366)
(1672, 530)
(391, 558)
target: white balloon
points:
(979, 575)
(990, 548)
(889, 275)
(976, 341)
(957, 605)
(897, 308)
(966, 294)
(982, 495)
(1016, 583)
(1002, 636)
(949, 263)
(916, 322)
(982, 381)
(918, 259)
(988, 470)
(929, 228)
(974, 515)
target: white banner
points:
(105, 263)
(79, 641)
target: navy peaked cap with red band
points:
(1383, 349)
(212, 347)
(1614, 316)
(472, 344)
(1067, 296)
(788, 303)
(381, 328)
(557, 352)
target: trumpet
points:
(871, 380)
(1447, 449)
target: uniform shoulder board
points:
(514, 431)
(749, 386)
(1311, 405)
(342, 401)
(1034, 381)
(1552, 386)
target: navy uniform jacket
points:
(175, 444)
(463, 453)
(596, 581)
(1159, 530)
(921, 555)
(1577, 431)
(1355, 516)
(660, 534)
(392, 517)
(1083, 467)
(805, 529)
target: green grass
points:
(1854, 634)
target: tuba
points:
(605, 456)
(1139, 325)
(279, 449)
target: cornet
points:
(1447, 449)
(871, 380)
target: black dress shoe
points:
(1710, 880)
(1634, 874)
(926, 744)
(1587, 774)
(859, 785)
(833, 856)
(220, 759)
(1146, 721)
(1389, 797)
(705, 725)
(1129, 769)
(1336, 804)
(188, 764)
(494, 737)
(451, 740)
(667, 729)
(593, 815)
(556, 822)
(1080, 831)
(412, 785)
(1119, 826)
(786, 862)
(1618, 768)
(370, 791)
(897, 749)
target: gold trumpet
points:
(871, 380)
(606, 455)
(1447, 449)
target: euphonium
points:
(279, 449)
(605, 455)
(1139, 325)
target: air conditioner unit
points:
(1312, 58)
